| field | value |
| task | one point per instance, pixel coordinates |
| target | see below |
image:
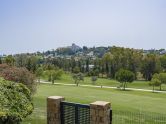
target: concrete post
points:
(100, 112)
(53, 109)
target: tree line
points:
(114, 59)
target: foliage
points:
(94, 79)
(21, 60)
(163, 78)
(107, 60)
(65, 51)
(150, 66)
(19, 75)
(10, 60)
(158, 80)
(78, 77)
(119, 57)
(155, 81)
(76, 69)
(124, 76)
(87, 61)
(0, 60)
(94, 72)
(163, 62)
(15, 102)
(54, 74)
(31, 63)
(39, 73)
(48, 67)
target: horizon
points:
(31, 26)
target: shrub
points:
(19, 75)
(15, 102)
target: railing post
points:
(53, 109)
(100, 113)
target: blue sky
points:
(37, 25)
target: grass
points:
(123, 102)
(67, 78)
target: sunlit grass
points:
(132, 101)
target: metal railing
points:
(118, 117)
(74, 113)
(139, 117)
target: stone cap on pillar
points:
(100, 104)
(55, 97)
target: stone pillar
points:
(100, 112)
(53, 109)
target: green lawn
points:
(67, 78)
(125, 104)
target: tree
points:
(19, 75)
(76, 69)
(39, 73)
(10, 60)
(155, 81)
(94, 72)
(77, 78)
(107, 61)
(94, 79)
(124, 76)
(150, 66)
(163, 62)
(125, 58)
(162, 78)
(21, 60)
(48, 73)
(15, 102)
(48, 67)
(85, 48)
(87, 65)
(0, 60)
(54, 74)
(31, 63)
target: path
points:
(134, 89)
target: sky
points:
(40, 25)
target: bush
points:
(15, 102)
(19, 75)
